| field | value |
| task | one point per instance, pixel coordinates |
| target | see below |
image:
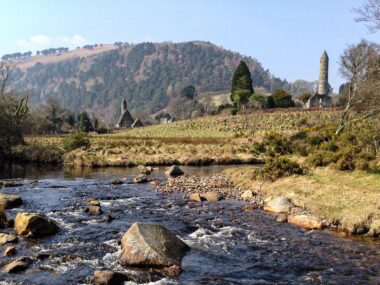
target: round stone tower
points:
(323, 74)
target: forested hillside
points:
(148, 75)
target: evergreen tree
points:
(189, 92)
(85, 124)
(241, 87)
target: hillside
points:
(149, 75)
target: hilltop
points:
(148, 75)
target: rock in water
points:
(7, 238)
(282, 218)
(145, 169)
(17, 265)
(196, 197)
(212, 196)
(105, 277)
(9, 201)
(9, 183)
(278, 204)
(150, 245)
(247, 194)
(117, 182)
(305, 221)
(10, 250)
(34, 224)
(141, 178)
(94, 210)
(174, 171)
(94, 202)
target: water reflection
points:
(34, 171)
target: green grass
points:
(348, 199)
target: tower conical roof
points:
(324, 54)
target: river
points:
(228, 245)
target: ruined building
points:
(321, 99)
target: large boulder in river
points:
(174, 170)
(8, 201)
(305, 221)
(278, 204)
(153, 246)
(34, 224)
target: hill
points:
(148, 75)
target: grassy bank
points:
(207, 140)
(348, 201)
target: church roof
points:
(137, 123)
(125, 120)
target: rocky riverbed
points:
(227, 244)
(216, 183)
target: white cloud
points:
(74, 41)
(40, 39)
(36, 42)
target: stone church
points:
(126, 120)
(321, 98)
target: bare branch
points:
(369, 13)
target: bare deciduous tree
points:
(360, 66)
(12, 112)
(369, 13)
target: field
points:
(207, 140)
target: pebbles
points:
(197, 188)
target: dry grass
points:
(349, 200)
(258, 123)
(111, 150)
(216, 139)
(24, 64)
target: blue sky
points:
(286, 36)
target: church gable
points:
(126, 119)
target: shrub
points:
(346, 160)
(278, 167)
(282, 99)
(301, 135)
(276, 144)
(233, 111)
(316, 140)
(329, 146)
(322, 158)
(258, 148)
(368, 156)
(301, 149)
(362, 164)
(76, 141)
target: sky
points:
(286, 36)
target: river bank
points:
(228, 244)
(347, 202)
